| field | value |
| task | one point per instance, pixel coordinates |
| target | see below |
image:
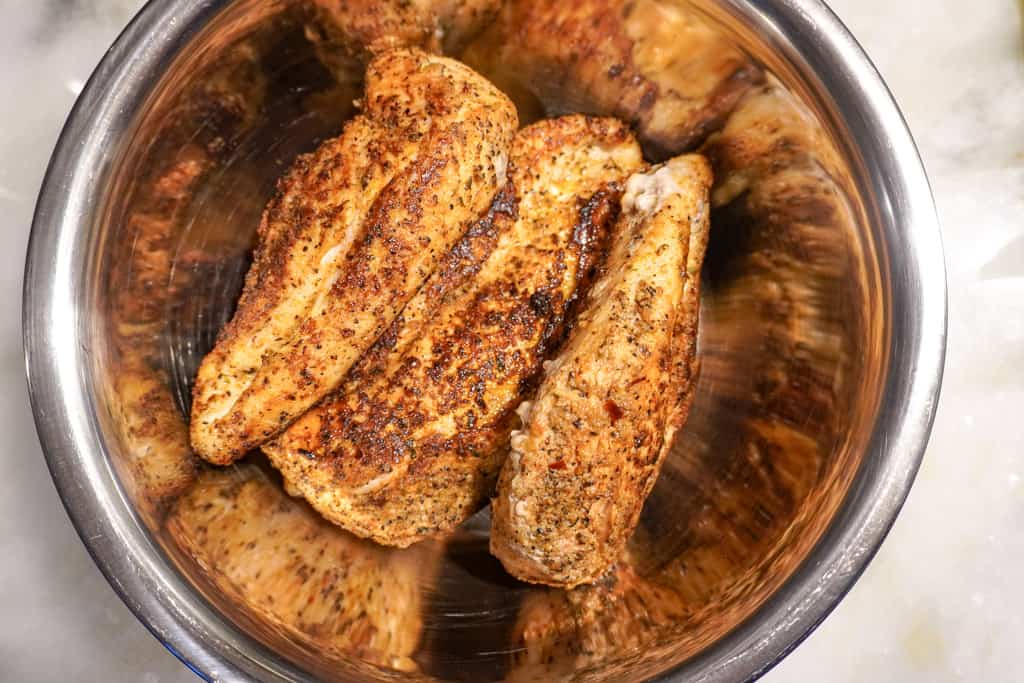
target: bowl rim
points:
(213, 647)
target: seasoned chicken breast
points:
(318, 585)
(560, 634)
(652, 63)
(354, 231)
(593, 439)
(413, 443)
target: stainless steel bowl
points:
(823, 342)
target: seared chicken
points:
(328, 590)
(413, 443)
(347, 32)
(739, 506)
(354, 231)
(652, 63)
(560, 634)
(593, 439)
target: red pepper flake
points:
(613, 410)
(557, 465)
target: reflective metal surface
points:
(822, 342)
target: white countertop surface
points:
(943, 600)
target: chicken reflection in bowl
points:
(809, 413)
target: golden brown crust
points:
(355, 229)
(648, 62)
(593, 439)
(685, 363)
(412, 445)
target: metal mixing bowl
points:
(822, 338)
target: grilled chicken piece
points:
(412, 445)
(347, 33)
(593, 440)
(561, 633)
(322, 587)
(649, 62)
(355, 230)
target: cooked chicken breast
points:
(348, 32)
(561, 633)
(412, 445)
(685, 363)
(593, 439)
(320, 586)
(355, 230)
(652, 63)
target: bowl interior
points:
(792, 340)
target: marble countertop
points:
(943, 600)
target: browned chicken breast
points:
(355, 230)
(413, 443)
(652, 63)
(348, 32)
(560, 634)
(593, 439)
(320, 586)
